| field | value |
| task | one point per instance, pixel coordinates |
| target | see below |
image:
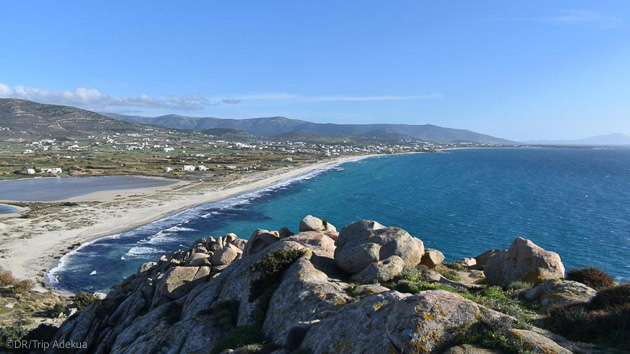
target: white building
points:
(202, 168)
(54, 170)
(30, 171)
(168, 170)
(188, 168)
(27, 151)
(168, 149)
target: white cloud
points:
(575, 17)
(96, 99)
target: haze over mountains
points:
(616, 139)
(281, 126)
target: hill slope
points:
(272, 126)
(45, 120)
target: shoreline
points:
(33, 256)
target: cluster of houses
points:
(53, 170)
(187, 168)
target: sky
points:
(520, 69)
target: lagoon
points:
(57, 189)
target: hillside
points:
(27, 118)
(366, 289)
(272, 126)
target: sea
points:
(575, 202)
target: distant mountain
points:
(46, 120)
(274, 126)
(616, 139)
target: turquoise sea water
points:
(463, 202)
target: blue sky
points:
(515, 69)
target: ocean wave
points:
(140, 251)
(160, 228)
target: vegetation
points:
(493, 339)
(592, 277)
(13, 332)
(502, 301)
(83, 299)
(448, 272)
(226, 315)
(519, 285)
(605, 320)
(271, 267)
(241, 336)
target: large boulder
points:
(559, 293)
(312, 223)
(365, 243)
(381, 271)
(260, 240)
(177, 280)
(226, 255)
(523, 261)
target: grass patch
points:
(447, 272)
(519, 285)
(499, 300)
(591, 277)
(492, 339)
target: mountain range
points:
(281, 126)
(616, 139)
(23, 117)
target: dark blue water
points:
(572, 201)
(54, 189)
(6, 209)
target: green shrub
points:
(612, 298)
(605, 320)
(6, 278)
(405, 286)
(22, 287)
(519, 285)
(12, 333)
(454, 266)
(498, 300)
(592, 277)
(239, 337)
(447, 272)
(492, 339)
(83, 299)
(271, 267)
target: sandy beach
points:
(29, 247)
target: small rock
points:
(467, 262)
(483, 258)
(226, 255)
(432, 257)
(285, 232)
(146, 266)
(312, 223)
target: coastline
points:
(36, 245)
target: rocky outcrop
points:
(370, 251)
(295, 292)
(559, 293)
(523, 261)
